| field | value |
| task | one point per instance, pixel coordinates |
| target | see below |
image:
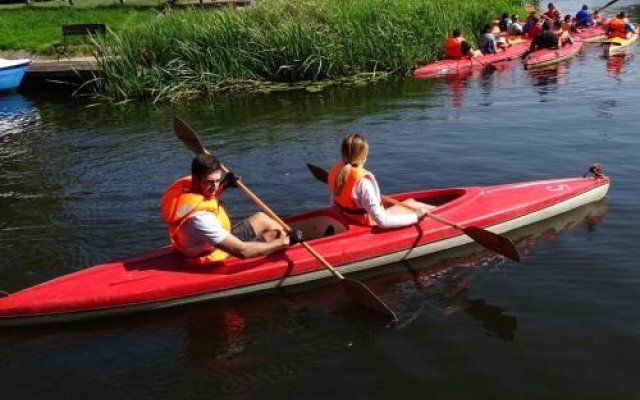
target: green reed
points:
(196, 52)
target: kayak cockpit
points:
(330, 221)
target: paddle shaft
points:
(428, 214)
(286, 227)
(606, 5)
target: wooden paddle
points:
(489, 240)
(356, 289)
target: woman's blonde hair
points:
(354, 152)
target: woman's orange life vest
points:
(178, 204)
(344, 201)
(617, 28)
(453, 47)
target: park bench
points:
(77, 34)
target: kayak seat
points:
(319, 225)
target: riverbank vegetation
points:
(192, 53)
(157, 52)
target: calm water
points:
(80, 185)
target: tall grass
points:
(191, 53)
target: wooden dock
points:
(65, 72)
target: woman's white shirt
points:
(366, 195)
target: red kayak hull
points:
(545, 57)
(454, 67)
(160, 278)
(593, 34)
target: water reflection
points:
(493, 319)
(439, 283)
(17, 113)
(546, 80)
(615, 65)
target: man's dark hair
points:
(457, 32)
(546, 26)
(204, 164)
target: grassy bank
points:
(36, 28)
(190, 53)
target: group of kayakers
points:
(545, 30)
(201, 230)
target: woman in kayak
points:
(355, 192)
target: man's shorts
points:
(244, 231)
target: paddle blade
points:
(366, 298)
(318, 173)
(188, 136)
(492, 241)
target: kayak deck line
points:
(265, 274)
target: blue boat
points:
(11, 73)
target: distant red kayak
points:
(592, 34)
(453, 67)
(160, 278)
(545, 57)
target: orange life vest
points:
(617, 28)
(178, 204)
(453, 47)
(344, 201)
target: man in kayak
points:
(504, 22)
(620, 27)
(584, 19)
(547, 39)
(515, 27)
(487, 40)
(456, 47)
(355, 191)
(552, 12)
(199, 226)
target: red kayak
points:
(453, 67)
(592, 34)
(545, 57)
(160, 278)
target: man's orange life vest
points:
(453, 47)
(344, 200)
(617, 28)
(178, 204)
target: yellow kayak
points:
(618, 45)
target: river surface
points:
(80, 185)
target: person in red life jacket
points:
(456, 47)
(534, 28)
(199, 226)
(547, 39)
(552, 12)
(355, 191)
(619, 26)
